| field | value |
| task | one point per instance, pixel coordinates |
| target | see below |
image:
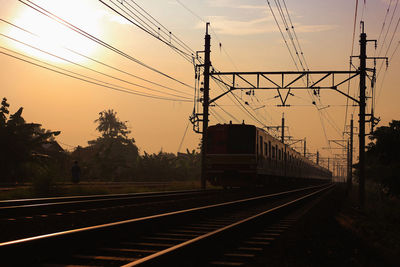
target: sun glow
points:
(52, 37)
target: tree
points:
(110, 126)
(114, 154)
(383, 157)
(19, 142)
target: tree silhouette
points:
(110, 126)
(383, 157)
(113, 155)
(18, 143)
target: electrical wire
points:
(97, 61)
(185, 55)
(183, 137)
(226, 112)
(88, 81)
(351, 54)
(243, 108)
(93, 70)
(388, 28)
(95, 39)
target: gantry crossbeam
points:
(290, 80)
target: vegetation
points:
(114, 156)
(377, 224)
(383, 158)
(31, 155)
(22, 144)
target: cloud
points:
(228, 26)
(224, 25)
(262, 7)
(314, 28)
(102, 14)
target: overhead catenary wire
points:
(98, 61)
(95, 39)
(226, 112)
(283, 17)
(163, 27)
(281, 13)
(93, 70)
(216, 35)
(350, 64)
(384, 21)
(145, 27)
(235, 100)
(183, 137)
(388, 28)
(91, 82)
(218, 117)
(384, 75)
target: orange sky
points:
(249, 36)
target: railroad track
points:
(208, 235)
(29, 207)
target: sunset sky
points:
(250, 41)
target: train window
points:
(231, 139)
(269, 145)
(266, 149)
(261, 145)
(242, 139)
(217, 140)
(273, 152)
(279, 154)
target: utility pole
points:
(304, 151)
(290, 80)
(206, 103)
(350, 169)
(317, 157)
(283, 128)
(363, 59)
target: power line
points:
(162, 26)
(97, 61)
(351, 53)
(243, 108)
(384, 75)
(280, 30)
(219, 118)
(388, 28)
(183, 137)
(88, 81)
(147, 29)
(384, 21)
(97, 40)
(82, 66)
(280, 11)
(226, 112)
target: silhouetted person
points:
(76, 172)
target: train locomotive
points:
(241, 155)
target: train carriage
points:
(243, 155)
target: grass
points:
(95, 188)
(378, 223)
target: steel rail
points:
(32, 201)
(33, 248)
(162, 256)
(39, 206)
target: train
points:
(239, 155)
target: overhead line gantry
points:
(288, 81)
